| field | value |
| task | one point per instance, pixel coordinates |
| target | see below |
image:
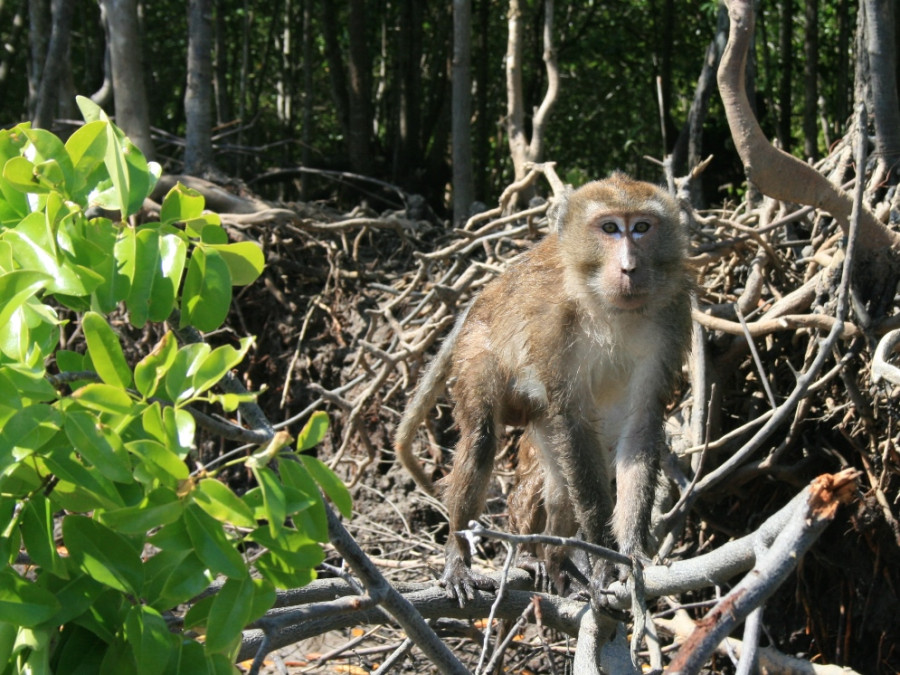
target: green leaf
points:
(103, 554)
(151, 641)
(22, 602)
(37, 535)
(27, 431)
(181, 204)
(87, 147)
(211, 544)
(245, 261)
(235, 605)
(206, 297)
(218, 362)
(79, 489)
(274, 503)
(106, 352)
(290, 570)
(172, 255)
(179, 378)
(157, 463)
(98, 444)
(19, 172)
(146, 267)
(332, 486)
(222, 504)
(28, 383)
(105, 398)
(151, 370)
(313, 521)
(160, 507)
(313, 431)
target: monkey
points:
(580, 341)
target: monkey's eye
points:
(609, 227)
(641, 227)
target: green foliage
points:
(94, 444)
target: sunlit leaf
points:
(105, 555)
(332, 486)
(106, 352)
(211, 544)
(221, 503)
(206, 296)
(313, 431)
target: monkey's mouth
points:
(630, 302)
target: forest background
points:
(365, 86)
(356, 139)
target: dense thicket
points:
(365, 85)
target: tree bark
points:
(198, 95)
(810, 78)
(521, 149)
(39, 25)
(786, 49)
(56, 64)
(128, 74)
(462, 109)
(879, 31)
(360, 91)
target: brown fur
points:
(580, 341)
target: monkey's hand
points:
(535, 567)
(461, 582)
(604, 574)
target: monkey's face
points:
(624, 242)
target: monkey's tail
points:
(424, 398)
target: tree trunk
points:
(786, 48)
(104, 95)
(39, 25)
(688, 150)
(521, 149)
(810, 78)
(407, 150)
(462, 110)
(56, 65)
(360, 81)
(128, 73)
(879, 31)
(785, 178)
(483, 124)
(198, 95)
(308, 93)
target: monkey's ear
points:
(556, 214)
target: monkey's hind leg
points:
(465, 489)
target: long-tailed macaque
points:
(581, 342)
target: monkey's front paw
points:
(461, 582)
(536, 568)
(603, 575)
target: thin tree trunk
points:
(128, 73)
(306, 133)
(198, 95)
(55, 66)
(39, 24)
(360, 81)
(785, 39)
(104, 95)
(462, 109)
(810, 77)
(521, 149)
